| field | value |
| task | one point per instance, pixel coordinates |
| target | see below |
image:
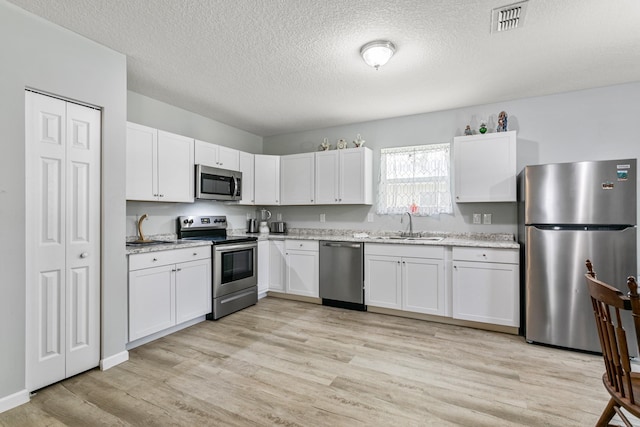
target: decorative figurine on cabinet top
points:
(342, 143)
(468, 131)
(359, 142)
(325, 145)
(483, 128)
(502, 122)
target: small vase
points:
(483, 128)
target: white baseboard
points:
(13, 400)
(116, 359)
(140, 341)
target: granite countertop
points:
(167, 244)
(474, 240)
(477, 240)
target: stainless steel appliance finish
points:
(234, 264)
(278, 227)
(252, 225)
(570, 212)
(342, 274)
(218, 184)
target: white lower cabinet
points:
(276, 266)
(167, 288)
(302, 267)
(263, 268)
(405, 277)
(486, 285)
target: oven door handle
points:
(228, 248)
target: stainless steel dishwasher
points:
(342, 274)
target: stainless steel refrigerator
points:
(570, 212)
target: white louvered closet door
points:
(62, 238)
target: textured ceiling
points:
(278, 66)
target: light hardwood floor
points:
(298, 364)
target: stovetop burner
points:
(212, 228)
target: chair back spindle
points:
(608, 304)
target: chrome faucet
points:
(410, 223)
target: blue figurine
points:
(502, 122)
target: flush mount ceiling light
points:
(377, 53)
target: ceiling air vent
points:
(508, 17)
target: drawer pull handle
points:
(154, 260)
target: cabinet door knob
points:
(84, 254)
(179, 269)
(154, 260)
(195, 253)
(162, 195)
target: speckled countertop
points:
(169, 241)
(477, 240)
(474, 240)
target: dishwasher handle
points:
(342, 245)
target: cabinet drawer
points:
(173, 256)
(416, 251)
(507, 256)
(302, 245)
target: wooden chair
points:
(622, 384)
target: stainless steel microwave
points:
(218, 184)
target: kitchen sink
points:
(150, 242)
(428, 239)
(404, 238)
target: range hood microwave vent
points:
(508, 17)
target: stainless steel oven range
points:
(234, 264)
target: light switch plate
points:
(322, 217)
(486, 219)
(477, 218)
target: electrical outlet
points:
(370, 217)
(477, 218)
(486, 219)
(322, 217)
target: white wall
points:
(43, 56)
(156, 114)
(162, 216)
(584, 125)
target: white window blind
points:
(415, 179)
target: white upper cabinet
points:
(175, 168)
(141, 163)
(217, 156)
(159, 165)
(344, 176)
(267, 179)
(485, 167)
(247, 166)
(297, 179)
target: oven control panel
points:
(191, 222)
